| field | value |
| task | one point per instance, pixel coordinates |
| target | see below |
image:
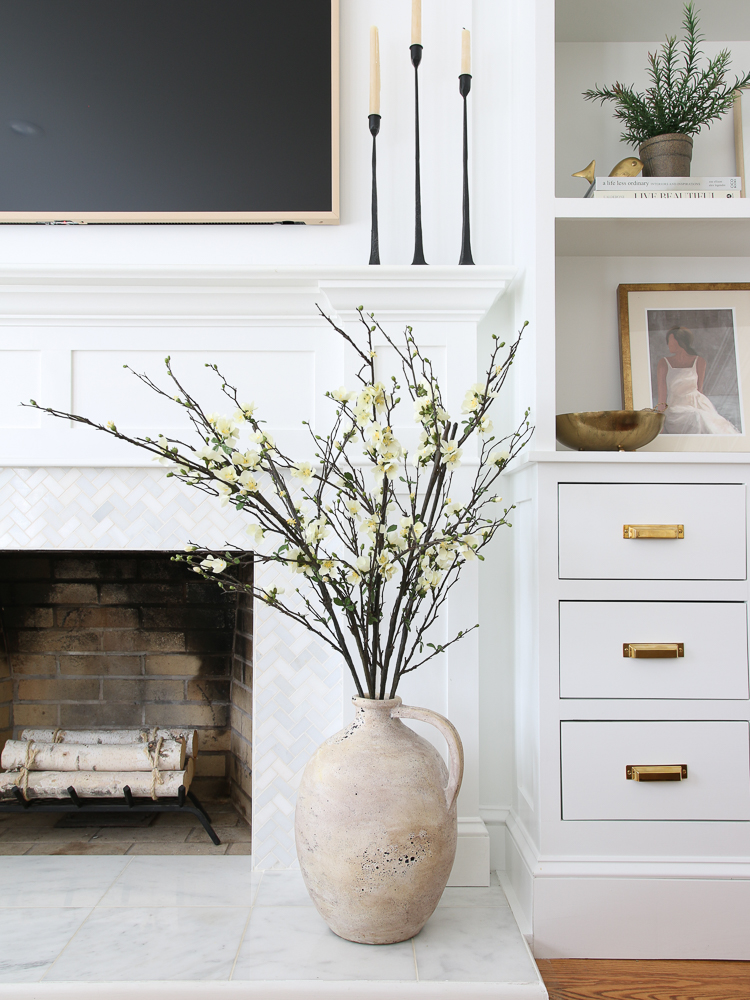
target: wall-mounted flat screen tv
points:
(118, 111)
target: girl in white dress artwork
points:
(680, 382)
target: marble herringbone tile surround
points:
(297, 680)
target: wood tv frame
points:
(71, 216)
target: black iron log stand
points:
(185, 801)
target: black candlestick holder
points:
(374, 240)
(416, 59)
(464, 86)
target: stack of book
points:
(665, 187)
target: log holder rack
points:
(185, 801)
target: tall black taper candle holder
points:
(416, 59)
(374, 241)
(464, 86)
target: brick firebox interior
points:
(126, 640)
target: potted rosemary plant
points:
(373, 540)
(683, 97)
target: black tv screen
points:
(168, 110)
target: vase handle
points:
(455, 747)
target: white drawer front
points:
(714, 636)
(595, 755)
(592, 515)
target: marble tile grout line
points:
(84, 921)
(244, 930)
(414, 953)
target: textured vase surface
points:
(376, 823)
(667, 155)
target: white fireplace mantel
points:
(65, 334)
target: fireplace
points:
(64, 488)
(127, 640)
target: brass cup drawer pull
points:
(656, 772)
(653, 531)
(653, 650)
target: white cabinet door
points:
(713, 636)
(595, 756)
(592, 517)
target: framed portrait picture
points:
(685, 350)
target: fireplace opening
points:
(131, 640)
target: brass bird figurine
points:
(629, 167)
(588, 173)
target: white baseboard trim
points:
(522, 919)
(627, 908)
(472, 864)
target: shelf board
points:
(732, 209)
(646, 21)
(610, 227)
(632, 458)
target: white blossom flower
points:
(385, 565)
(303, 471)
(452, 508)
(343, 395)
(427, 447)
(207, 454)
(225, 491)
(256, 533)
(316, 530)
(381, 398)
(111, 425)
(245, 411)
(214, 564)
(190, 548)
(353, 577)
(450, 454)
(245, 460)
(225, 427)
(429, 579)
(473, 398)
(353, 507)
(227, 474)
(328, 568)
(363, 564)
(422, 406)
(445, 555)
(248, 482)
(386, 466)
(485, 426)
(497, 457)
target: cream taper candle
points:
(465, 52)
(416, 22)
(374, 71)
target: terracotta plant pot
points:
(376, 823)
(667, 155)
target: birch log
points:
(99, 784)
(80, 757)
(114, 737)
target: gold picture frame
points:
(685, 349)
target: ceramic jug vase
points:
(376, 823)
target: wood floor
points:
(591, 979)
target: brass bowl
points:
(608, 430)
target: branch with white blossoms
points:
(372, 532)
